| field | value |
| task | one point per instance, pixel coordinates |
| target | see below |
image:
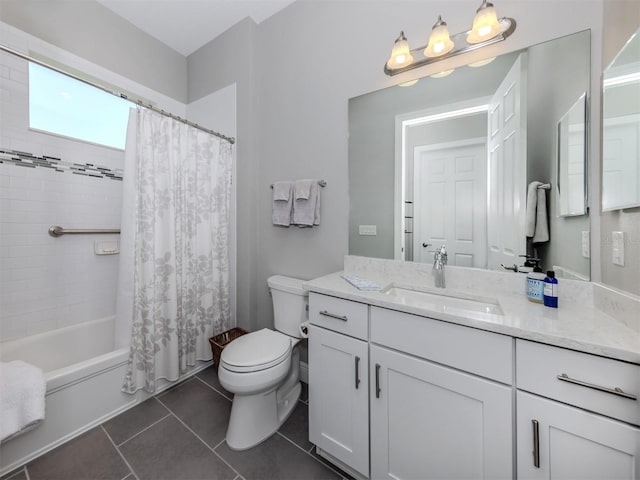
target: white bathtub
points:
(84, 375)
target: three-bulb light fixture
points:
(486, 30)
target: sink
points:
(443, 301)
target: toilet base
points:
(254, 418)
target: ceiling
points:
(186, 25)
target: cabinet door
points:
(338, 397)
(573, 444)
(433, 422)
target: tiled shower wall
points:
(45, 282)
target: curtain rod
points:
(231, 140)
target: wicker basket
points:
(218, 342)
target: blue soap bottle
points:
(551, 290)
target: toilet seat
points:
(256, 351)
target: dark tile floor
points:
(179, 434)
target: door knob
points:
(425, 245)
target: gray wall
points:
(621, 19)
(230, 59)
(92, 31)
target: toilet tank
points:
(289, 304)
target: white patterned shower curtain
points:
(174, 279)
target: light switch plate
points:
(617, 248)
(367, 229)
(586, 248)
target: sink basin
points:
(444, 301)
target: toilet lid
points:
(256, 351)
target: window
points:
(62, 105)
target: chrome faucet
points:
(439, 261)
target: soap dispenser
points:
(535, 285)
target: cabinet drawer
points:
(339, 315)
(486, 354)
(580, 379)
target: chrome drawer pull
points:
(333, 315)
(614, 391)
(536, 443)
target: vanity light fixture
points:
(439, 41)
(482, 63)
(487, 29)
(446, 73)
(400, 54)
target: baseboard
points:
(304, 372)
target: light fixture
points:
(487, 30)
(400, 54)
(482, 63)
(410, 83)
(439, 41)
(443, 74)
(485, 24)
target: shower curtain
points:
(174, 279)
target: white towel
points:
(282, 204)
(302, 189)
(306, 213)
(22, 392)
(537, 226)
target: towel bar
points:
(57, 231)
(322, 183)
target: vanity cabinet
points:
(584, 428)
(339, 381)
(432, 415)
(429, 421)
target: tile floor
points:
(179, 434)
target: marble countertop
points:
(575, 325)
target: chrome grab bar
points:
(614, 391)
(57, 231)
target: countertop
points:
(574, 325)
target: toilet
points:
(262, 368)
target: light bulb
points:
(400, 54)
(485, 24)
(439, 41)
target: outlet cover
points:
(617, 248)
(367, 229)
(586, 247)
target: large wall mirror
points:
(451, 160)
(621, 129)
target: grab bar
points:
(57, 231)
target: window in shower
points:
(64, 106)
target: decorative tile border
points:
(23, 159)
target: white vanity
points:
(403, 385)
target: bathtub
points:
(84, 375)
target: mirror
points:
(448, 161)
(621, 129)
(572, 159)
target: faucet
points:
(439, 261)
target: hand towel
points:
(282, 204)
(302, 189)
(536, 213)
(306, 213)
(22, 398)
(542, 227)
